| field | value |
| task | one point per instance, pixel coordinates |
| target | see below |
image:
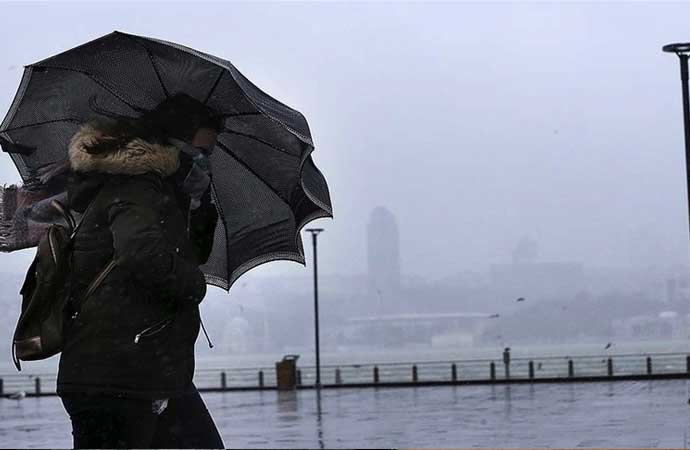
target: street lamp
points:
(683, 52)
(314, 232)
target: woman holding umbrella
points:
(125, 373)
(156, 226)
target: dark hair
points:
(179, 116)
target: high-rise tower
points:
(383, 254)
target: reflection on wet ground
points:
(623, 414)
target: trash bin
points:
(286, 373)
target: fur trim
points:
(136, 158)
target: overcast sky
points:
(475, 124)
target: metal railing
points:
(577, 368)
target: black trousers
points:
(115, 422)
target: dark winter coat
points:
(135, 334)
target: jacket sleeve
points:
(142, 249)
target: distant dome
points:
(668, 315)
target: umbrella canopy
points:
(265, 184)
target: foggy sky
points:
(475, 124)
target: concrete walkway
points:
(621, 414)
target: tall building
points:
(383, 254)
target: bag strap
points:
(69, 218)
(108, 267)
(83, 216)
(98, 279)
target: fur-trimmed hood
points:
(135, 158)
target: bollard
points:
(414, 374)
(492, 370)
(454, 372)
(261, 378)
(299, 377)
(376, 374)
(531, 370)
(38, 386)
(649, 365)
(223, 381)
(609, 367)
(338, 378)
(571, 368)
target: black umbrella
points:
(265, 185)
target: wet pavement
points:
(616, 414)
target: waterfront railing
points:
(474, 371)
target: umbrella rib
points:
(153, 64)
(35, 124)
(246, 166)
(258, 139)
(243, 114)
(253, 99)
(99, 82)
(208, 96)
(155, 69)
